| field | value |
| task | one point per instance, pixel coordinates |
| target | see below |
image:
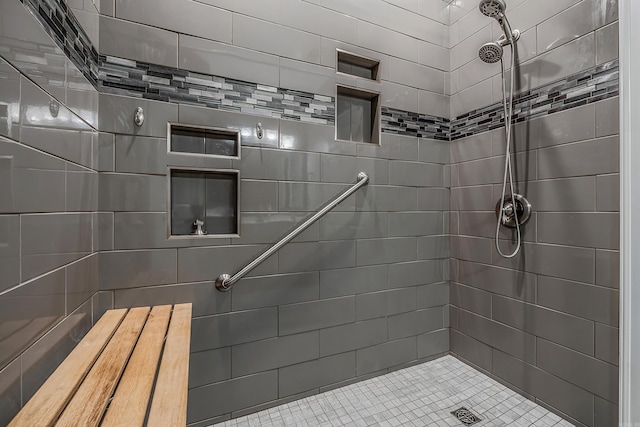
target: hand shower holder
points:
(503, 41)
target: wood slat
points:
(169, 405)
(131, 400)
(49, 401)
(90, 401)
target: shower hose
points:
(507, 104)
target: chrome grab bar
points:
(224, 281)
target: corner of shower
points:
(512, 210)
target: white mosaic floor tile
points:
(421, 395)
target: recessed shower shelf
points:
(203, 140)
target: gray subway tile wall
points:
(561, 315)
(48, 204)
(366, 290)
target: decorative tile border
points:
(133, 78)
(598, 83)
(414, 124)
(62, 26)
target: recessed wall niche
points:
(357, 115)
(357, 65)
(204, 202)
(202, 140)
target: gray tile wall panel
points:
(205, 264)
(602, 378)
(275, 353)
(11, 396)
(415, 323)
(386, 251)
(132, 193)
(354, 225)
(385, 355)
(259, 163)
(510, 340)
(608, 193)
(82, 281)
(608, 268)
(472, 350)
(313, 256)
(433, 295)
(563, 195)
(563, 329)
(352, 336)
(130, 269)
(353, 281)
(594, 157)
(605, 413)
(405, 224)
(116, 112)
(595, 303)
(596, 230)
(566, 262)
(345, 168)
(415, 273)
(608, 117)
(433, 199)
(566, 397)
(309, 197)
(82, 191)
(135, 154)
(205, 298)
(386, 199)
(471, 299)
(258, 196)
(433, 247)
(224, 330)
(267, 291)
(9, 251)
(317, 373)
(269, 227)
(416, 174)
(237, 394)
(385, 303)
(433, 343)
(41, 359)
(607, 343)
(308, 316)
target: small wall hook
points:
(259, 130)
(138, 117)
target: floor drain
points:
(466, 416)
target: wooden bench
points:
(112, 377)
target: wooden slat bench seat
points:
(131, 369)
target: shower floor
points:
(421, 395)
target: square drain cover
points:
(466, 416)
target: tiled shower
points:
(402, 273)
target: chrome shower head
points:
(490, 52)
(493, 8)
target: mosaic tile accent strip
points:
(133, 78)
(421, 395)
(579, 89)
(62, 26)
(414, 124)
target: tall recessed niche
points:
(203, 202)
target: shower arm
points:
(224, 281)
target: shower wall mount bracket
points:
(510, 208)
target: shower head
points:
(490, 52)
(493, 8)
